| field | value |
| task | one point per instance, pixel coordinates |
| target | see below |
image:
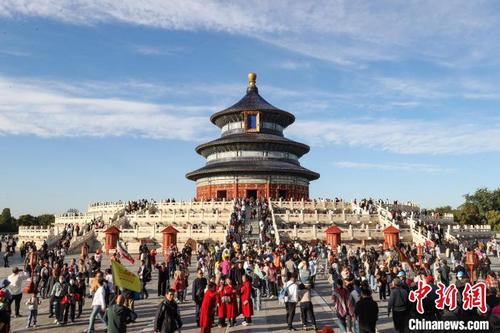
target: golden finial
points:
(252, 77)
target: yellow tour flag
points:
(124, 278)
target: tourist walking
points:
(399, 306)
(366, 311)
(342, 307)
(145, 276)
(15, 287)
(291, 299)
(57, 293)
(98, 306)
(163, 278)
(33, 302)
(197, 292)
(167, 319)
(306, 307)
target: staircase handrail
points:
(275, 226)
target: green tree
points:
(469, 214)
(6, 217)
(26, 219)
(7, 222)
(45, 220)
(485, 199)
(493, 218)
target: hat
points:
(401, 274)
(429, 279)
(460, 274)
(4, 283)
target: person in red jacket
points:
(230, 302)
(208, 308)
(221, 309)
(246, 301)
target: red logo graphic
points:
(418, 295)
(446, 296)
(475, 296)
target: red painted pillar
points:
(333, 237)
(391, 237)
(169, 238)
(112, 234)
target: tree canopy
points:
(480, 207)
(10, 224)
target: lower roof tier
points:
(276, 167)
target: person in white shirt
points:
(98, 306)
(15, 287)
(291, 301)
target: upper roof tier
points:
(252, 101)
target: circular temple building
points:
(252, 158)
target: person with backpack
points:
(399, 305)
(256, 288)
(354, 298)
(58, 292)
(246, 300)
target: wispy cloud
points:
(404, 167)
(294, 65)
(14, 53)
(453, 33)
(149, 50)
(402, 136)
(51, 109)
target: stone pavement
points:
(271, 318)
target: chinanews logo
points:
(473, 296)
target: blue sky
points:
(106, 100)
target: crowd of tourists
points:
(234, 277)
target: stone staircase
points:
(252, 230)
(76, 244)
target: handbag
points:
(226, 299)
(64, 300)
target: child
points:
(32, 304)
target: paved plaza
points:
(271, 318)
